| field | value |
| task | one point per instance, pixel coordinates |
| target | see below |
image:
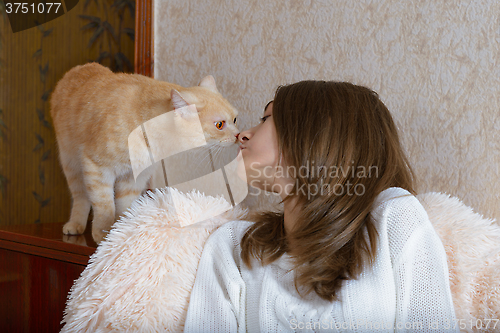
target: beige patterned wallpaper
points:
(435, 63)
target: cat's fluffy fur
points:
(94, 110)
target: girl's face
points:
(259, 149)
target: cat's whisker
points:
(206, 160)
(217, 150)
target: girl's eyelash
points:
(263, 119)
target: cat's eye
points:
(234, 121)
(220, 124)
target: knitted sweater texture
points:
(406, 290)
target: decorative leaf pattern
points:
(47, 32)
(129, 32)
(91, 25)
(46, 155)
(41, 175)
(37, 53)
(45, 96)
(109, 28)
(37, 197)
(98, 32)
(121, 5)
(101, 27)
(3, 126)
(43, 71)
(121, 59)
(40, 111)
(102, 56)
(39, 144)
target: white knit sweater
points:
(407, 289)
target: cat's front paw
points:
(73, 228)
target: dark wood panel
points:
(38, 266)
(44, 252)
(33, 291)
(144, 44)
(49, 236)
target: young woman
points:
(353, 249)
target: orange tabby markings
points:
(126, 192)
(94, 110)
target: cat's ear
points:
(178, 101)
(187, 113)
(209, 83)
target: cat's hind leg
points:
(99, 182)
(80, 207)
(127, 190)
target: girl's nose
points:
(243, 136)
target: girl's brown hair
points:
(346, 139)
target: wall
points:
(435, 63)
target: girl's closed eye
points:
(263, 119)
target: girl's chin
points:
(239, 157)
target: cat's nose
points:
(236, 135)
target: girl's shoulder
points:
(398, 214)
(397, 202)
(229, 234)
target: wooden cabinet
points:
(38, 266)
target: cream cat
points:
(94, 110)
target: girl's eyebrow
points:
(265, 107)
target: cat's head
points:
(217, 116)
